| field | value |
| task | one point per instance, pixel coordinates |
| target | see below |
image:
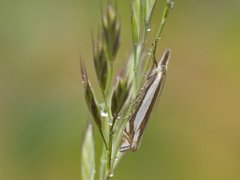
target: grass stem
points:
(151, 53)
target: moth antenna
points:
(154, 55)
(154, 60)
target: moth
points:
(152, 88)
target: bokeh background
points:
(194, 133)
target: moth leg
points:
(126, 143)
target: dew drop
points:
(111, 175)
(118, 117)
(110, 123)
(148, 29)
(104, 114)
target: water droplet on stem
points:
(149, 52)
(111, 174)
(104, 114)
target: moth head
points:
(165, 58)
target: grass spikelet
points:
(111, 31)
(120, 94)
(100, 63)
(90, 98)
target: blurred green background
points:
(194, 133)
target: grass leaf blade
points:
(150, 5)
(88, 155)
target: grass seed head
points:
(120, 94)
(111, 31)
(100, 63)
(90, 98)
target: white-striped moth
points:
(152, 87)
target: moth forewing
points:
(146, 109)
(152, 88)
